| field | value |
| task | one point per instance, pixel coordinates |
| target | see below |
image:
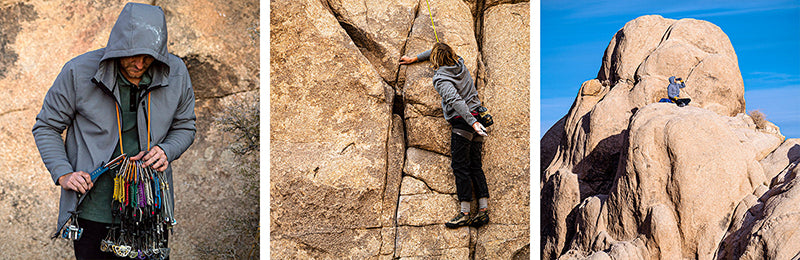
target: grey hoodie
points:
(83, 97)
(457, 89)
(673, 90)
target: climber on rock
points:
(673, 92)
(454, 84)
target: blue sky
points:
(764, 34)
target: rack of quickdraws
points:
(142, 203)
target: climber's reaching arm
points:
(405, 60)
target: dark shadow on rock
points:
(11, 18)
(571, 229)
(210, 78)
(613, 55)
(597, 171)
(794, 153)
(547, 221)
(794, 158)
(367, 46)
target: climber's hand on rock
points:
(479, 129)
(405, 60)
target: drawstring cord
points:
(119, 126)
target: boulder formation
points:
(217, 40)
(360, 163)
(625, 177)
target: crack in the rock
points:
(398, 107)
(403, 49)
(478, 78)
(691, 71)
(366, 13)
(427, 186)
(432, 151)
(396, 207)
(436, 254)
(368, 228)
(423, 225)
(13, 110)
(224, 95)
(479, 24)
(380, 248)
(310, 248)
(362, 40)
(348, 146)
(298, 235)
(367, 46)
(388, 149)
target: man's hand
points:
(405, 60)
(480, 129)
(79, 181)
(155, 158)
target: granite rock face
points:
(217, 40)
(626, 177)
(360, 163)
(764, 225)
(505, 160)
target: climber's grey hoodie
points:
(457, 89)
(83, 98)
(673, 90)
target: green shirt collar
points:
(146, 80)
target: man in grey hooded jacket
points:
(134, 74)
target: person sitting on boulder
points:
(673, 92)
(459, 97)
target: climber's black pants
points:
(88, 247)
(466, 163)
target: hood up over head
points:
(140, 29)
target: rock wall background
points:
(359, 148)
(624, 177)
(219, 43)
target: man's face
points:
(133, 67)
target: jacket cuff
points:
(61, 171)
(471, 120)
(166, 152)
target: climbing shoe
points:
(480, 218)
(461, 219)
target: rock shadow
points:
(794, 153)
(598, 170)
